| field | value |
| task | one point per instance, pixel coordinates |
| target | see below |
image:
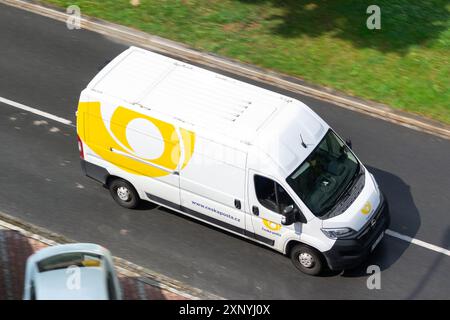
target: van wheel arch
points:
(292, 243)
(109, 179)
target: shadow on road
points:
(146, 205)
(405, 219)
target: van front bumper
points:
(349, 253)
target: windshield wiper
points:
(328, 209)
(359, 172)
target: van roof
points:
(191, 95)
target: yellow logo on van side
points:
(271, 225)
(367, 208)
(92, 130)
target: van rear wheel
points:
(124, 193)
(307, 259)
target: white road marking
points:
(68, 122)
(40, 122)
(418, 242)
(36, 111)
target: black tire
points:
(119, 189)
(312, 256)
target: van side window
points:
(271, 195)
(284, 199)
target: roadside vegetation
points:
(406, 64)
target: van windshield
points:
(325, 175)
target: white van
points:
(244, 159)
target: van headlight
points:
(338, 233)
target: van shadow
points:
(14, 252)
(405, 219)
(146, 205)
(404, 23)
(211, 226)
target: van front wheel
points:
(124, 193)
(307, 259)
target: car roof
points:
(58, 285)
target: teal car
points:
(78, 271)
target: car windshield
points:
(325, 175)
(65, 260)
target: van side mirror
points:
(288, 215)
(301, 218)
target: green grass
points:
(405, 64)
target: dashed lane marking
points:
(36, 111)
(417, 242)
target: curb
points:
(125, 267)
(278, 80)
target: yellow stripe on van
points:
(101, 141)
(188, 138)
(171, 155)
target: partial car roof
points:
(58, 285)
(65, 248)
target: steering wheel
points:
(326, 183)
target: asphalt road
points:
(45, 65)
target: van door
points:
(212, 187)
(267, 199)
